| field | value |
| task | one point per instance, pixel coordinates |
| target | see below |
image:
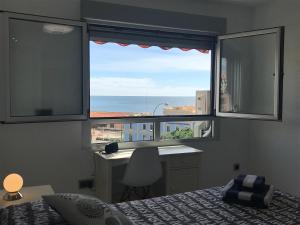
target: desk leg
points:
(103, 180)
(167, 178)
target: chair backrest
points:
(144, 167)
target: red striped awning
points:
(148, 46)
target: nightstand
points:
(33, 193)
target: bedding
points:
(32, 213)
(3, 214)
(192, 208)
(80, 209)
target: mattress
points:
(193, 208)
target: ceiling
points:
(243, 2)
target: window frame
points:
(278, 75)
(5, 113)
(157, 141)
(157, 120)
(185, 117)
(214, 95)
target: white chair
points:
(143, 170)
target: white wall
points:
(229, 11)
(68, 9)
(275, 146)
(45, 153)
(51, 152)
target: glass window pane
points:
(121, 132)
(45, 68)
(247, 74)
(185, 129)
(139, 80)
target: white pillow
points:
(79, 209)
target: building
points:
(203, 105)
(107, 132)
(138, 132)
(179, 110)
(103, 133)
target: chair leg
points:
(141, 192)
(146, 192)
(126, 194)
(136, 191)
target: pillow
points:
(79, 209)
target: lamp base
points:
(12, 196)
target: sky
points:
(135, 71)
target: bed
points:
(198, 207)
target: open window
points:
(149, 73)
(150, 85)
(43, 69)
(249, 74)
(157, 86)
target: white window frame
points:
(278, 75)
(157, 141)
(5, 112)
(157, 120)
(215, 93)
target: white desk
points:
(182, 170)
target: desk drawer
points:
(184, 161)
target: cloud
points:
(126, 86)
(166, 63)
(133, 71)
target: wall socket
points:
(236, 167)
(86, 183)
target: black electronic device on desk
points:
(111, 148)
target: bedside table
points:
(33, 193)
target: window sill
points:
(127, 145)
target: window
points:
(161, 84)
(41, 84)
(136, 81)
(250, 74)
(148, 77)
(101, 133)
(130, 138)
(185, 130)
(168, 128)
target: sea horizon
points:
(138, 96)
(138, 104)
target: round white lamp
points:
(12, 185)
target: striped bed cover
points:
(198, 207)
(206, 207)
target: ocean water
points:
(137, 104)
